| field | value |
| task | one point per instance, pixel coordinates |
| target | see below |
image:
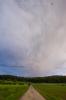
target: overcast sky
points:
(33, 37)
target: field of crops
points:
(12, 92)
(52, 91)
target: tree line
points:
(47, 79)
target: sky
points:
(33, 37)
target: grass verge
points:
(12, 92)
(52, 91)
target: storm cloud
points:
(33, 37)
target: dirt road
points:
(32, 94)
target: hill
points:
(46, 79)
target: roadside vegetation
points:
(12, 92)
(52, 91)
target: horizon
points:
(33, 37)
(32, 76)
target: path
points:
(32, 94)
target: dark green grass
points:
(12, 92)
(52, 91)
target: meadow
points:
(49, 91)
(12, 92)
(52, 91)
(13, 87)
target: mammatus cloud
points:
(33, 37)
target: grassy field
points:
(49, 91)
(12, 92)
(52, 91)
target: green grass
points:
(52, 91)
(12, 92)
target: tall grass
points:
(12, 92)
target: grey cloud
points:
(33, 32)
